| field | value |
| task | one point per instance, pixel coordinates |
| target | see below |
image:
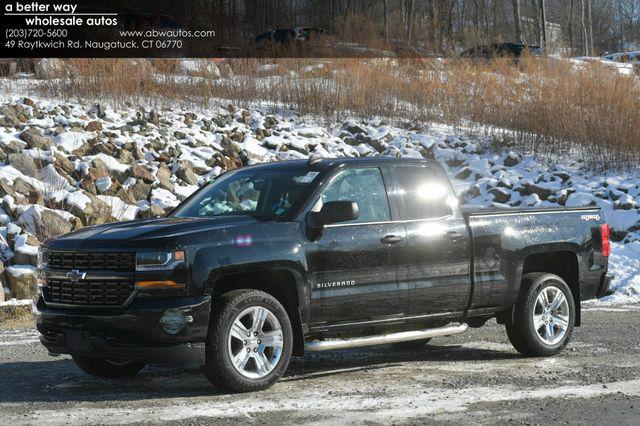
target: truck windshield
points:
(264, 194)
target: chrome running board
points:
(383, 339)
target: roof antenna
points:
(315, 159)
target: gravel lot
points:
(472, 378)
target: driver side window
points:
(364, 186)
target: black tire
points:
(520, 328)
(219, 368)
(108, 369)
(411, 344)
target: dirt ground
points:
(473, 378)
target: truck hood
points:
(142, 230)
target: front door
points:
(353, 265)
(435, 260)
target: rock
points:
(500, 195)
(270, 121)
(22, 281)
(35, 139)
(23, 187)
(464, 173)
(512, 159)
(179, 135)
(154, 117)
(140, 191)
(454, 162)
(155, 211)
(125, 156)
(11, 117)
(6, 188)
(25, 257)
(14, 146)
(99, 110)
(354, 129)
(164, 177)
(52, 68)
(97, 212)
(186, 173)
(62, 164)
(625, 202)
(141, 172)
(541, 192)
(24, 163)
(93, 126)
(35, 197)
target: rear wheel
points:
(411, 344)
(543, 317)
(249, 343)
(108, 368)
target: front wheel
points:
(543, 317)
(249, 343)
(108, 368)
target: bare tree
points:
(410, 18)
(516, 19)
(386, 21)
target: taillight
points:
(605, 234)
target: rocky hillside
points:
(65, 166)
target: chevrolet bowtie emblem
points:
(75, 276)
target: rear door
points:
(435, 260)
(353, 265)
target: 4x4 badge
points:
(75, 276)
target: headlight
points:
(158, 260)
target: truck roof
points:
(324, 163)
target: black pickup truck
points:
(275, 260)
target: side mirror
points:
(333, 212)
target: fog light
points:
(173, 320)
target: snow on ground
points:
(624, 263)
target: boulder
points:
(541, 192)
(186, 173)
(153, 211)
(512, 159)
(164, 177)
(35, 139)
(93, 126)
(140, 191)
(22, 281)
(464, 173)
(140, 172)
(62, 164)
(13, 146)
(500, 195)
(24, 256)
(125, 156)
(24, 163)
(23, 187)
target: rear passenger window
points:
(364, 186)
(423, 194)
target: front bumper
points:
(134, 333)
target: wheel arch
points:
(563, 263)
(285, 284)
